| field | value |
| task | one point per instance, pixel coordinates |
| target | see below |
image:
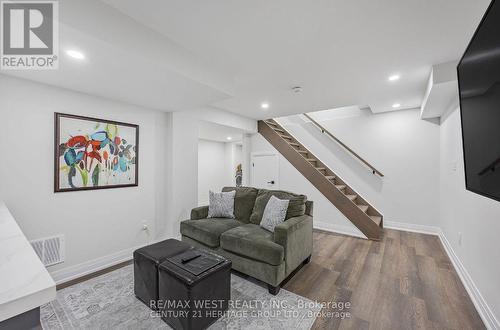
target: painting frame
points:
(57, 140)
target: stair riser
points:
(361, 201)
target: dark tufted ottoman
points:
(194, 294)
(146, 262)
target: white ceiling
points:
(179, 54)
(340, 51)
(127, 61)
(220, 133)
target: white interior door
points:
(265, 171)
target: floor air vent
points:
(50, 250)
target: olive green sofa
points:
(269, 257)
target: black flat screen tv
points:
(479, 91)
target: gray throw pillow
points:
(221, 205)
(296, 207)
(274, 213)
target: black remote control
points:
(190, 257)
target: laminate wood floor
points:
(404, 281)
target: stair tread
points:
(311, 159)
(279, 130)
(270, 123)
(285, 136)
(352, 197)
(321, 168)
(377, 219)
(340, 186)
(303, 151)
(330, 177)
(294, 144)
(363, 208)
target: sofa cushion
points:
(243, 202)
(296, 206)
(253, 242)
(221, 205)
(208, 231)
(274, 213)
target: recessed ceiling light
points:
(264, 105)
(229, 138)
(396, 105)
(75, 54)
(394, 77)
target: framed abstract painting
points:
(93, 153)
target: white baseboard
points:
(339, 229)
(431, 230)
(351, 231)
(88, 267)
(489, 319)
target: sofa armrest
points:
(296, 237)
(199, 213)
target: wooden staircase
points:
(363, 215)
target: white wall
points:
(182, 170)
(225, 118)
(475, 216)
(216, 166)
(246, 149)
(101, 226)
(212, 171)
(98, 223)
(403, 147)
(400, 145)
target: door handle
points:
(271, 182)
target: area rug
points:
(108, 302)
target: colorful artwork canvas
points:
(94, 153)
